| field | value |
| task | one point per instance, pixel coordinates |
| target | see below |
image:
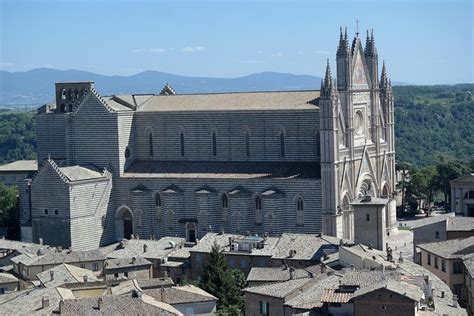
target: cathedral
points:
(170, 164)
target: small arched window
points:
(247, 144)
(282, 144)
(214, 144)
(181, 139)
(225, 201)
(157, 200)
(299, 211)
(258, 210)
(150, 144)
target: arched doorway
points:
(127, 224)
(191, 232)
(123, 223)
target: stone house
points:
(131, 268)
(462, 195)
(445, 259)
(8, 283)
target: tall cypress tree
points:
(224, 283)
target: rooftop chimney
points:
(292, 273)
(352, 267)
(85, 278)
(455, 301)
(99, 303)
(323, 268)
(44, 302)
(51, 274)
(442, 294)
(40, 240)
(145, 248)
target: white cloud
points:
(6, 65)
(277, 54)
(153, 50)
(193, 49)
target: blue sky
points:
(422, 41)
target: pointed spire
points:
(327, 77)
(322, 89)
(367, 44)
(372, 41)
(383, 77)
(342, 48)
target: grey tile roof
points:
(65, 273)
(307, 246)
(241, 101)
(275, 274)
(155, 283)
(468, 261)
(20, 165)
(127, 263)
(460, 224)
(117, 305)
(7, 278)
(65, 256)
(205, 244)
(223, 169)
(449, 249)
(278, 290)
(443, 305)
(155, 249)
(365, 278)
(180, 294)
(430, 220)
(6, 244)
(410, 291)
(76, 173)
(310, 298)
(29, 302)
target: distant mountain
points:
(36, 86)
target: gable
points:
(359, 70)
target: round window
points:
(56, 212)
(127, 153)
(359, 123)
(46, 211)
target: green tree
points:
(405, 169)
(224, 283)
(448, 170)
(9, 213)
(423, 183)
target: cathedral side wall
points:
(278, 213)
(300, 130)
(51, 136)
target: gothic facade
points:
(172, 164)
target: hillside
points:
(433, 121)
(36, 86)
(430, 121)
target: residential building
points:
(64, 274)
(183, 165)
(12, 173)
(27, 266)
(468, 262)
(133, 268)
(155, 251)
(462, 195)
(440, 228)
(8, 283)
(445, 259)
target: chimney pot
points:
(51, 274)
(45, 302)
(85, 278)
(99, 303)
(40, 240)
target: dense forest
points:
(434, 122)
(431, 122)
